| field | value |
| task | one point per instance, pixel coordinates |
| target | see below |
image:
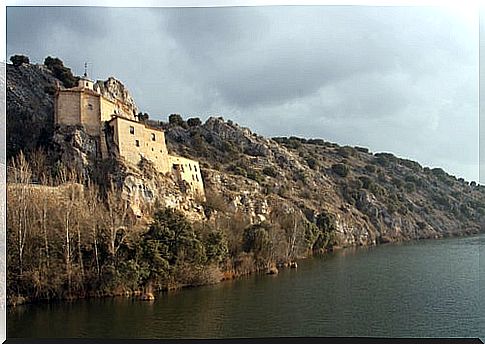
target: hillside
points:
(272, 198)
(374, 197)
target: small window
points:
(190, 167)
(153, 137)
(152, 149)
(195, 168)
(197, 177)
(132, 131)
(137, 143)
(86, 84)
(193, 177)
(90, 106)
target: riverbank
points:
(273, 269)
(426, 288)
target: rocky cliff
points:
(363, 198)
(373, 198)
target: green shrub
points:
(318, 142)
(413, 165)
(410, 187)
(361, 149)
(18, 60)
(64, 74)
(270, 171)
(311, 162)
(370, 168)
(366, 182)
(255, 175)
(340, 169)
(346, 151)
(176, 120)
(194, 122)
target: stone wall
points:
(90, 110)
(134, 141)
(188, 171)
(68, 110)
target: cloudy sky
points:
(396, 79)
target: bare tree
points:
(118, 219)
(20, 191)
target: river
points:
(429, 288)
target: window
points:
(193, 177)
(195, 168)
(152, 149)
(90, 106)
(86, 84)
(137, 143)
(153, 137)
(132, 130)
(197, 177)
(190, 167)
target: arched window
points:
(153, 137)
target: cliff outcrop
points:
(360, 197)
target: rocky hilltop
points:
(363, 198)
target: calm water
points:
(426, 289)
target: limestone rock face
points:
(30, 107)
(114, 89)
(76, 149)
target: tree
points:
(194, 122)
(176, 120)
(169, 242)
(325, 223)
(256, 239)
(64, 74)
(19, 210)
(18, 60)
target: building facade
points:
(113, 121)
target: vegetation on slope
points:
(268, 202)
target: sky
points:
(394, 79)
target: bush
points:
(50, 90)
(194, 122)
(255, 175)
(385, 159)
(340, 169)
(370, 168)
(176, 120)
(270, 171)
(18, 60)
(346, 151)
(312, 162)
(413, 165)
(318, 142)
(323, 233)
(361, 149)
(410, 187)
(366, 182)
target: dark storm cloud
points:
(391, 78)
